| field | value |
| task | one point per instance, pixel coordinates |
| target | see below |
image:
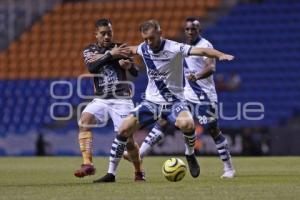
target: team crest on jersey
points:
(165, 54)
(88, 54)
(109, 79)
(182, 47)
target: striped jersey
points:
(110, 80)
(165, 71)
(202, 90)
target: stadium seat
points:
(52, 48)
(264, 78)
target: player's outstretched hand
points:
(122, 51)
(226, 57)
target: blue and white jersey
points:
(165, 71)
(202, 90)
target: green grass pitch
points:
(51, 178)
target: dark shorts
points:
(148, 113)
(205, 114)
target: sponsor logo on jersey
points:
(156, 75)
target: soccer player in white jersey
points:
(164, 93)
(200, 93)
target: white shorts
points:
(103, 109)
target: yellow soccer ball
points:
(174, 169)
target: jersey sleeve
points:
(208, 45)
(87, 54)
(139, 49)
(95, 65)
(181, 48)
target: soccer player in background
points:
(164, 94)
(109, 62)
(200, 93)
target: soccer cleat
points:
(106, 179)
(140, 176)
(85, 170)
(230, 173)
(193, 165)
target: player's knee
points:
(185, 125)
(85, 122)
(124, 133)
(128, 126)
(83, 126)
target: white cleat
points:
(228, 174)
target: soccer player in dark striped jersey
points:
(109, 62)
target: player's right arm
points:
(95, 61)
(188, 50)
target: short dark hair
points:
(194, 20)
(147, 25)
(102, 22)
(191, 19)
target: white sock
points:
(189, 143)
(154, 137)
(223, 150)
(116, 153)
(228, 165)
(144, 149)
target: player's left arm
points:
(210, 68)
(210, 52)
